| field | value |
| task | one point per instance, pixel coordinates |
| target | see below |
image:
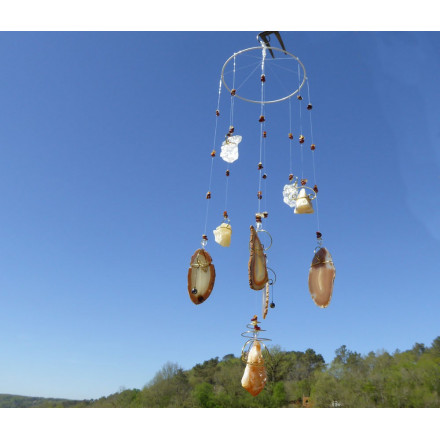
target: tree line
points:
(408, 379)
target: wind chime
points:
(296, 194)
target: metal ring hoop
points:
(311, 196)
(270, 236)
(274, 276)
(265, 102)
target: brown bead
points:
(233, 92)
(290, 177)
(262, 118)
(318, 235)
(301, 139)
(264, 176)
(231, 129)
(217, 113)
(208, 195)
(205, 237)
(299, 97)
(290, 136)
(213, 153)
(225, 214)
(260, 166)
(315, 188)
(309, 106)
(265, 214)
(260, 195)
(264, 134)
(258, 218)
(263, 78)
(227, 173)
(303, 182)
(312, 147)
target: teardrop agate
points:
(257, 263)
(322, 275)
(255, 376)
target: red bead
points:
(233, 92)
(312, 147)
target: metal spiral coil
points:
(253, 335)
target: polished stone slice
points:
(322, 275)
(303, 203)
(257, 263)
(201, 276)
(222, 234)
(254, 377)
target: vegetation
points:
(409, 379)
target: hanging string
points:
(300, 123)
(313, 152)
(290, 140)
(208, 194)
(262, 125)
(231, 124)
(231, 113)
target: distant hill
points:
(409, 379)
(14, 401)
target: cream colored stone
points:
(222, 234)
(303, 203)
(255, 376)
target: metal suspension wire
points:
(300, 127)
(208, 194)
(313, 155)
(262, 118)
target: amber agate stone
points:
(201, 276)
(254, 377)
(322, 275)
(257, 263)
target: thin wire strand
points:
(313, 154)
(290, 140)
(261, 124)
(212, 158)
(300, 127)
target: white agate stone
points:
(290, 194)
(303, 203)
(229, 150)
(222, 234)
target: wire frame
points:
(264, 102)
(253, 336)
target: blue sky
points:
(105, 142)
